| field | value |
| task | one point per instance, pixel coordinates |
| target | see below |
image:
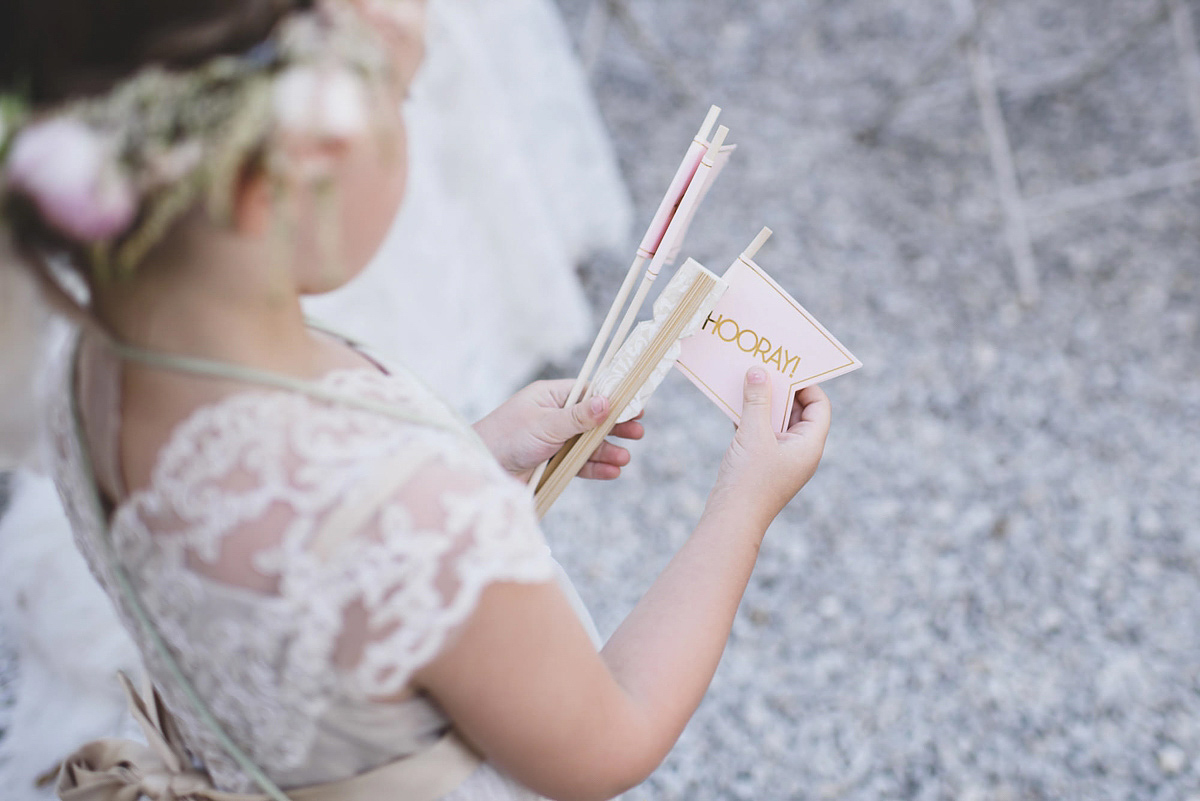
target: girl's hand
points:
(531, 426)
(763, 470)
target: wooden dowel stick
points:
(553, 465)
(644, 255)
(752, 250)
(572, 456)
(646, 251)
(628, 320)
(695, 189)
(585, 373)
(710, 120)
(610, 319)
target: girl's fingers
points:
(600, 472)
(797, 412)
(812, 410)
(605, 463)
(609, 453)
(756, 403)
(631, 429)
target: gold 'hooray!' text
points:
(749, 341)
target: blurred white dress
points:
(512, 181)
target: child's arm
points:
(523, 683)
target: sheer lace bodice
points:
(302, 560)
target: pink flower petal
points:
(72, 176)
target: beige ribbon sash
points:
(122, 770)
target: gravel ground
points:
(8, 673)
(990, 589)
(8, 661)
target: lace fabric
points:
(302, 559)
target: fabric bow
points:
(122, 770)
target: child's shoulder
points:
(348, 426)
(273, 474)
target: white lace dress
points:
(302, 558)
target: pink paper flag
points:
(757, 323)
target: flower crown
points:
(112, 173)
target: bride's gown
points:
(512, 181)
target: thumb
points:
(583, 416)
(756, 403)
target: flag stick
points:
(752, 249)
(575, 454)
(694, 191)
(649, 246)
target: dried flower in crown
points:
(113, 173)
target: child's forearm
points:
(665, 652)
(572, 726)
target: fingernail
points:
(757, 375)
(598, 405)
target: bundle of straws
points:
(662, 242)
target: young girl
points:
(338, 588)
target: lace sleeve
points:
(332, 550)
(426, 538)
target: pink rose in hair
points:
(72, 176)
